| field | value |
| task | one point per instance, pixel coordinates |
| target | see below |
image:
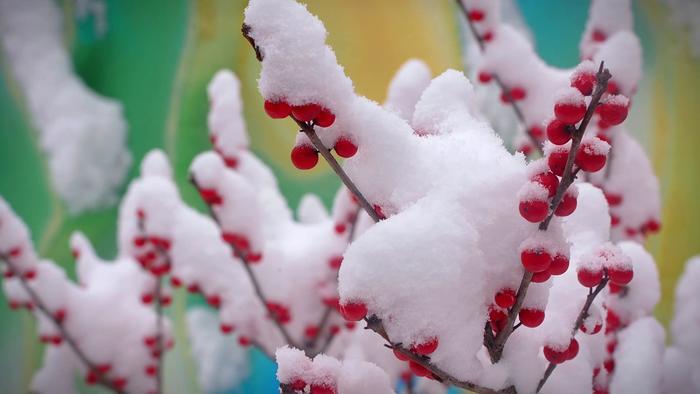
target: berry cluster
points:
(304, 155)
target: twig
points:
(567, 179)
(501, 85)
(308, 129)
(36, 300)
(375, 324)
(251, 275)
(592, 294)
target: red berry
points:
(612, 88)
(311, 331)
(150, 370)
(612, 321)
(400, 356)
(570, 112)
(588, 159)
(175, 281)
(549, 181)
(139, 241)
(613, 199)
(298, 384)
(149, 341)
(304, 157)
(147, 298)
(425, 348)
(531, 317)
(244, 341)
(526, 149)
(596, 328)
(609, 365)
(418, 369)
(567, 205)
(353, 311)
(379, 211)
(613, 112)
(555, 356)
(277, 109)
(620, 276)
(91, 378)
(211, 196)
(230, 161)
(339, 228)
(652, 226)
(589, 277)
(60, 315)
(598, 35)
(488, 36)
(30, 274)
(534, 211)
(226, 328)
(476, 15)
(119, 383)
(56, 340)
(306, 112)
(559, 265)
(611, 346)
(518, 93)
(484, 77)
(321, 389)
(535, 260)
(541, 277)
(557, 161)
(536, 132)
(505, 298)
(345, 148)
(558, 132)
(584, 82)
(193, 288)
(214, 300)
(325, 118)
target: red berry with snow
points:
(505, 298)
(325, 118)
(277, 109)
(570, 112)
(425, 348)
(304, 157)
(557, 161)
(589, 277)
(531, 317)
(353, 311)
(306, 112)
(298, 384)
(558, 132)
(559, 265)
(620, 276)
(567, 205)
(476, 15)
(345, 148)
(584, 82)
(535, 260)
(555, 355)
(549, 181)
(418, 369)
(591, 155)
(484, 77)
(572, 351)
(613, 111)
(534, 211)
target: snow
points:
(686, 340)
(406, 88)
(82, 133)
(638, 358)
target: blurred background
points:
(155, 58)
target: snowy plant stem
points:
(579, 321)
(308, 129)
(249, 271)
(375, 324)
(568, 177)
(502, 86)
(72, 343)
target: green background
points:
(158, 55)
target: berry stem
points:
(602, 77)
(308, 129)
(592, 294)
(37, 301)
(502, 86)
(376, 325)
(251, 275)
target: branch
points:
(72, 343)
(375, 324)
(567, 179)
(249, 271)
(308, 129)
(579, 321)
(516, 109)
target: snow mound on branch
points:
(82, 133)
(605, 18)
(686, 339)
(406, 88)
(638, 358)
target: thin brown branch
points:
(249, 271)
(72, 343)
(375, 324)
(308, 129)
(579, 321)
(501, 85)
(567, 179)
